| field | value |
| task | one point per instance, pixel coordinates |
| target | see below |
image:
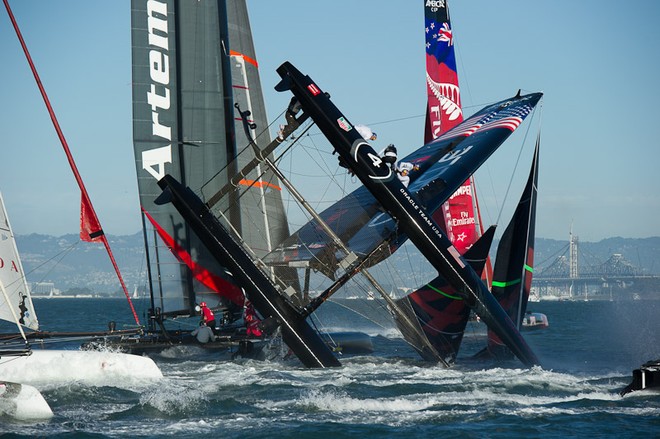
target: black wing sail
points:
(514, 263)
(192, 62)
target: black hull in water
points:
(301, 338)
(234, 343)
(646, 377)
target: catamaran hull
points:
(45, 366)
(304, 341)
(23, 402)
(348, 343)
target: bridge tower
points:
(573, 256)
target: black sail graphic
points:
(512, 274)
(185, 124)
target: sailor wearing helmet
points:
(402, 169)
(366, 132)
(208, 318)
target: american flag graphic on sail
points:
(508, 118)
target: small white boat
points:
(534, 320)
(95, 368)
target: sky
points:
(597, 63)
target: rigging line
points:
(354, 311)
(327, 187)
(408, 256)
(59, 256)
(265, 169)
(372, 300)
(331, 172)
(238, 154)
(464, 82)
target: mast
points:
(91, 229)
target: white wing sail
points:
(15, 301)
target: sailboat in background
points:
(443, 314)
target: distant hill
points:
(73, 265)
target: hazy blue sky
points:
(596, 62)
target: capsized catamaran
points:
(363, 224)
(492, 124)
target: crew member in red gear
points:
(207, 316)
(252, 322)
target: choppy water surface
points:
(588, 354)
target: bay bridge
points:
(565, 278)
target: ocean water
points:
(587, 356)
